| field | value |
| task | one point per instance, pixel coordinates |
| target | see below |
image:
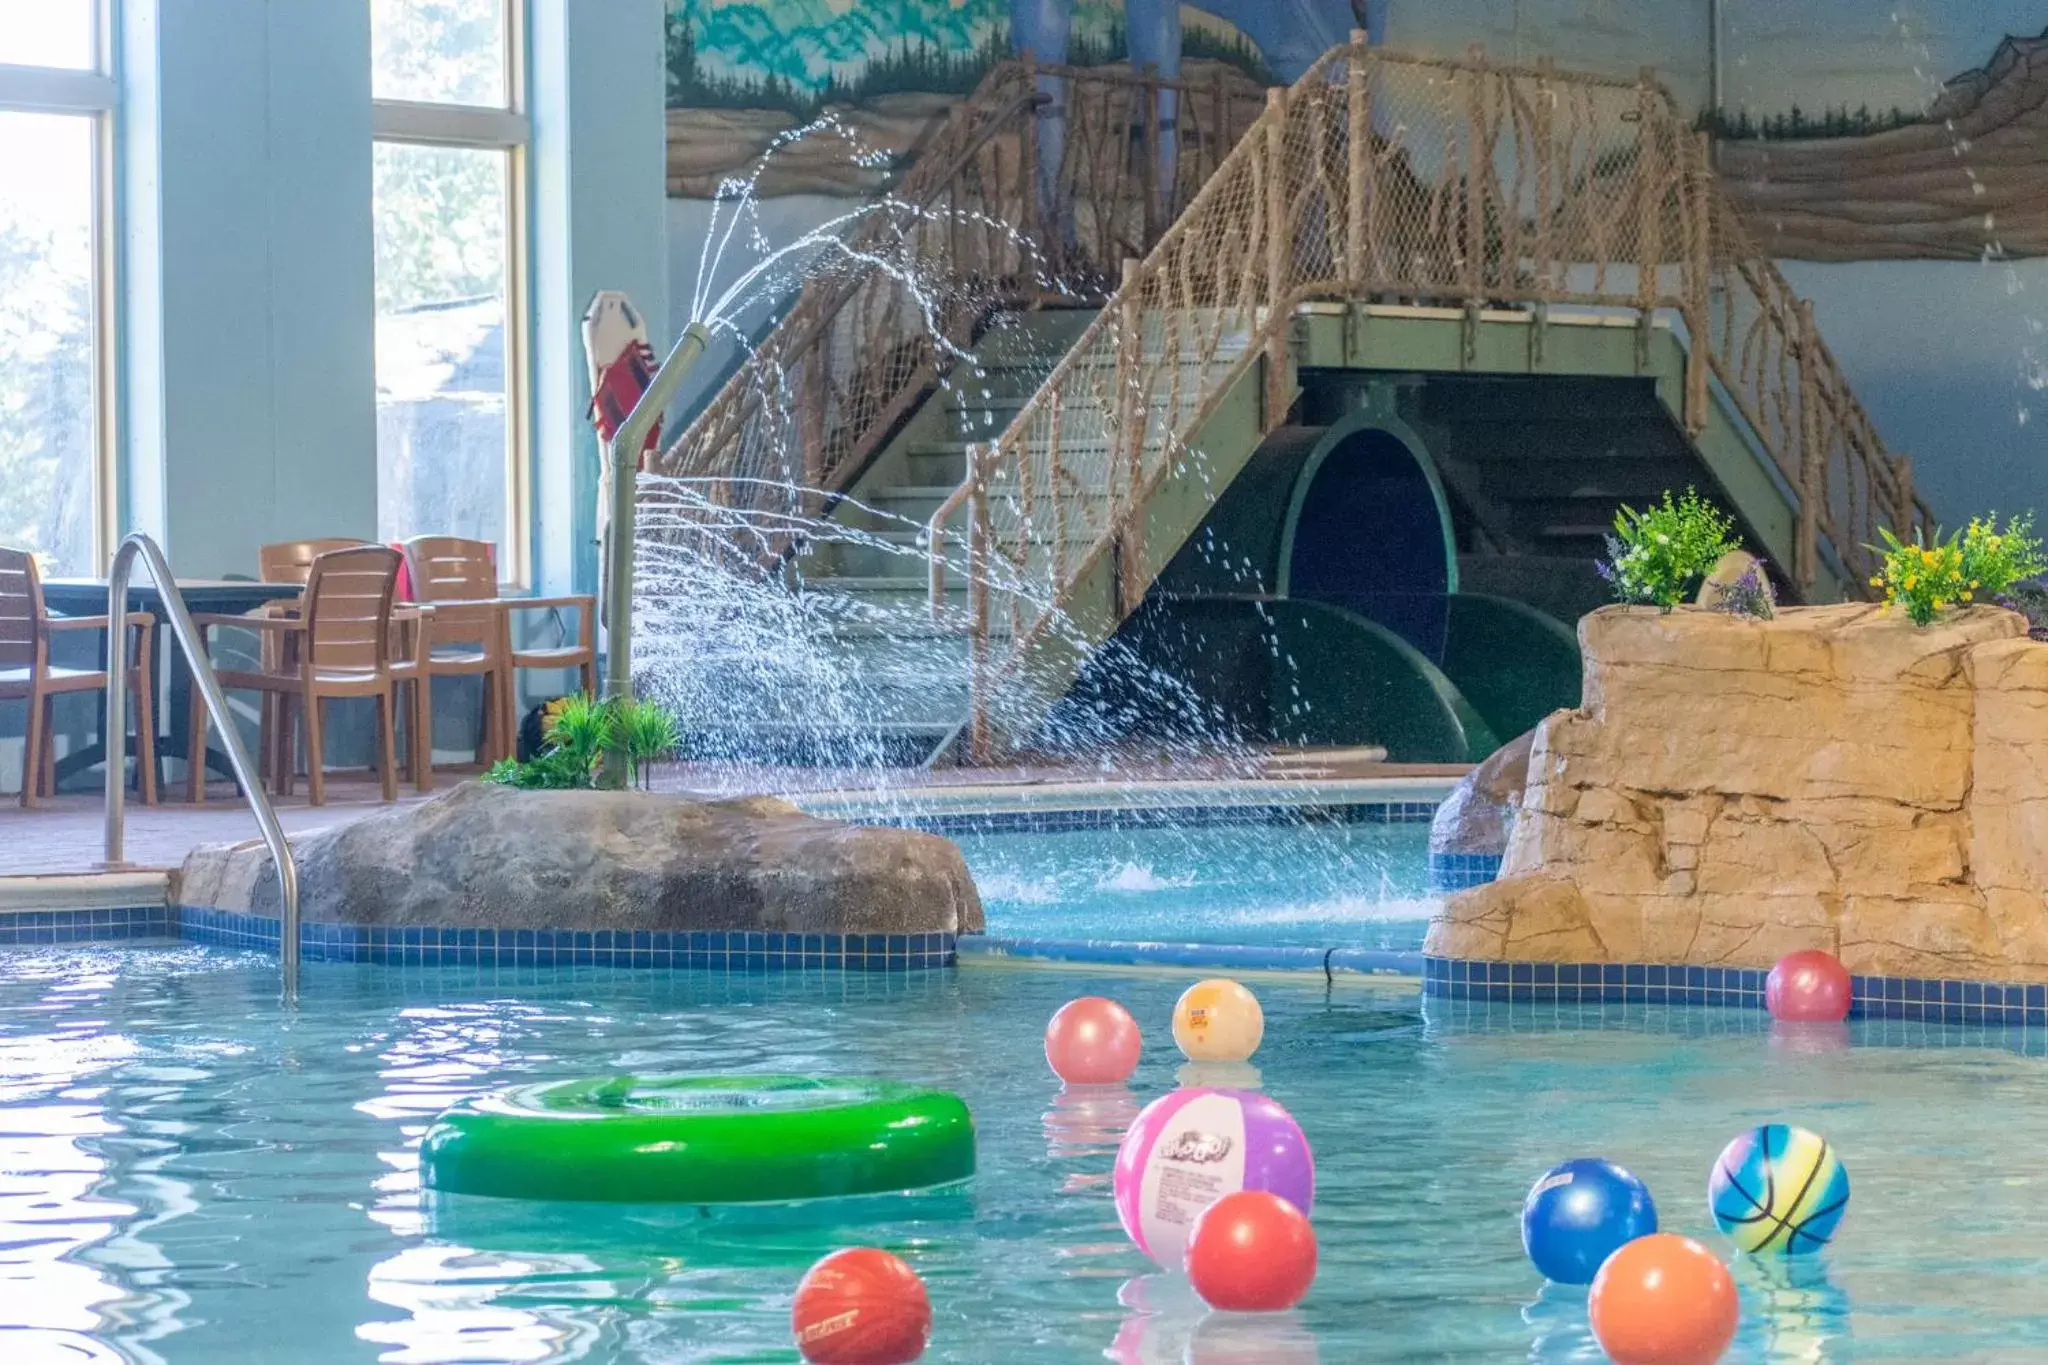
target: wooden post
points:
(1906, 514)
(1477, 162)
(1124, 410)
(1150, 179)
(1545, 134)
(1650, 184)
(1278, 258)
(1359, 144)
(813, 397)
(978, 535)
(1812, 458)
(1698, 190)
(1030, 178)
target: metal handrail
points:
(141, 546)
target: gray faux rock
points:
(491, 856)
(1479, 814)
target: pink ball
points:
(1808, 987)
(1093, 1041)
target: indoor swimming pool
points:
(193, 1176)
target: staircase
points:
(1503, 242)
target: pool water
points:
(186, 1175)
(1309, 884)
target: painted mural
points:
(1894, 155)
(1855, 131)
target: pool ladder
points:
(139, 546)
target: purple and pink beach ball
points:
(1188, 1149)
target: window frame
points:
(91, 93)
(507, 129)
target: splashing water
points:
(739, 625)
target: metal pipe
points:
(624, 456)
(140, 546)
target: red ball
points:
(1663, 1300)
(1809, 987)
(1251, 1252)
(861, 1306)
(1093, 1041)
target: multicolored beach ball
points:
(1779, 1190)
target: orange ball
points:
(1251, 1252)
(861, 1306)
(1663, 1300)
(1093, 1041)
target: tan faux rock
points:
(1733, 790)
(490, 856)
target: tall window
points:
(451, 134)
(55, 102)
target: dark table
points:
(231, 597)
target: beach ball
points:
(1251, 1252)
(1809, 987)
(1779, 1189)
(1218, 1021)
(861, 1306)
(1663, 1300)
(1188, 1149)
(1579, 1214)
(1093, 1041)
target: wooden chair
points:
(285, 561)
(459, 579)
(339, 645)
(581, 656)
(291, 561)
(26, 674)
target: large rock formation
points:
(1478, 815)
(491, 856)
(1733, 790)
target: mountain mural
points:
(1966, 180)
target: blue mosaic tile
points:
(1450, 872)
(1909, 999)
(643, 950)
(29, 928)
(1066, 821)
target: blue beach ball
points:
(1779, 1190)
(1581, 1213)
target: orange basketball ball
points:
(1663, 1300)
(861, 1306)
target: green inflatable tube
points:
(700, 1140)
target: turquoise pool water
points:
(1311, 884)
(187, 1176)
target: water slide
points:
(1319, 604)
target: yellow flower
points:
(1973, 583)
(1876, 582)
(1910, 583)
(1969, 597)
(1939, 604)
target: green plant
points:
(1659, 555)
(1996, 559)
(1980, 562)
(579, 730)
(650, 733)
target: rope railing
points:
(1383, 178)
(1035, 189)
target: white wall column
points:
(600, 163)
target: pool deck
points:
(63, 837)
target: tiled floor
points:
(68, 833)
